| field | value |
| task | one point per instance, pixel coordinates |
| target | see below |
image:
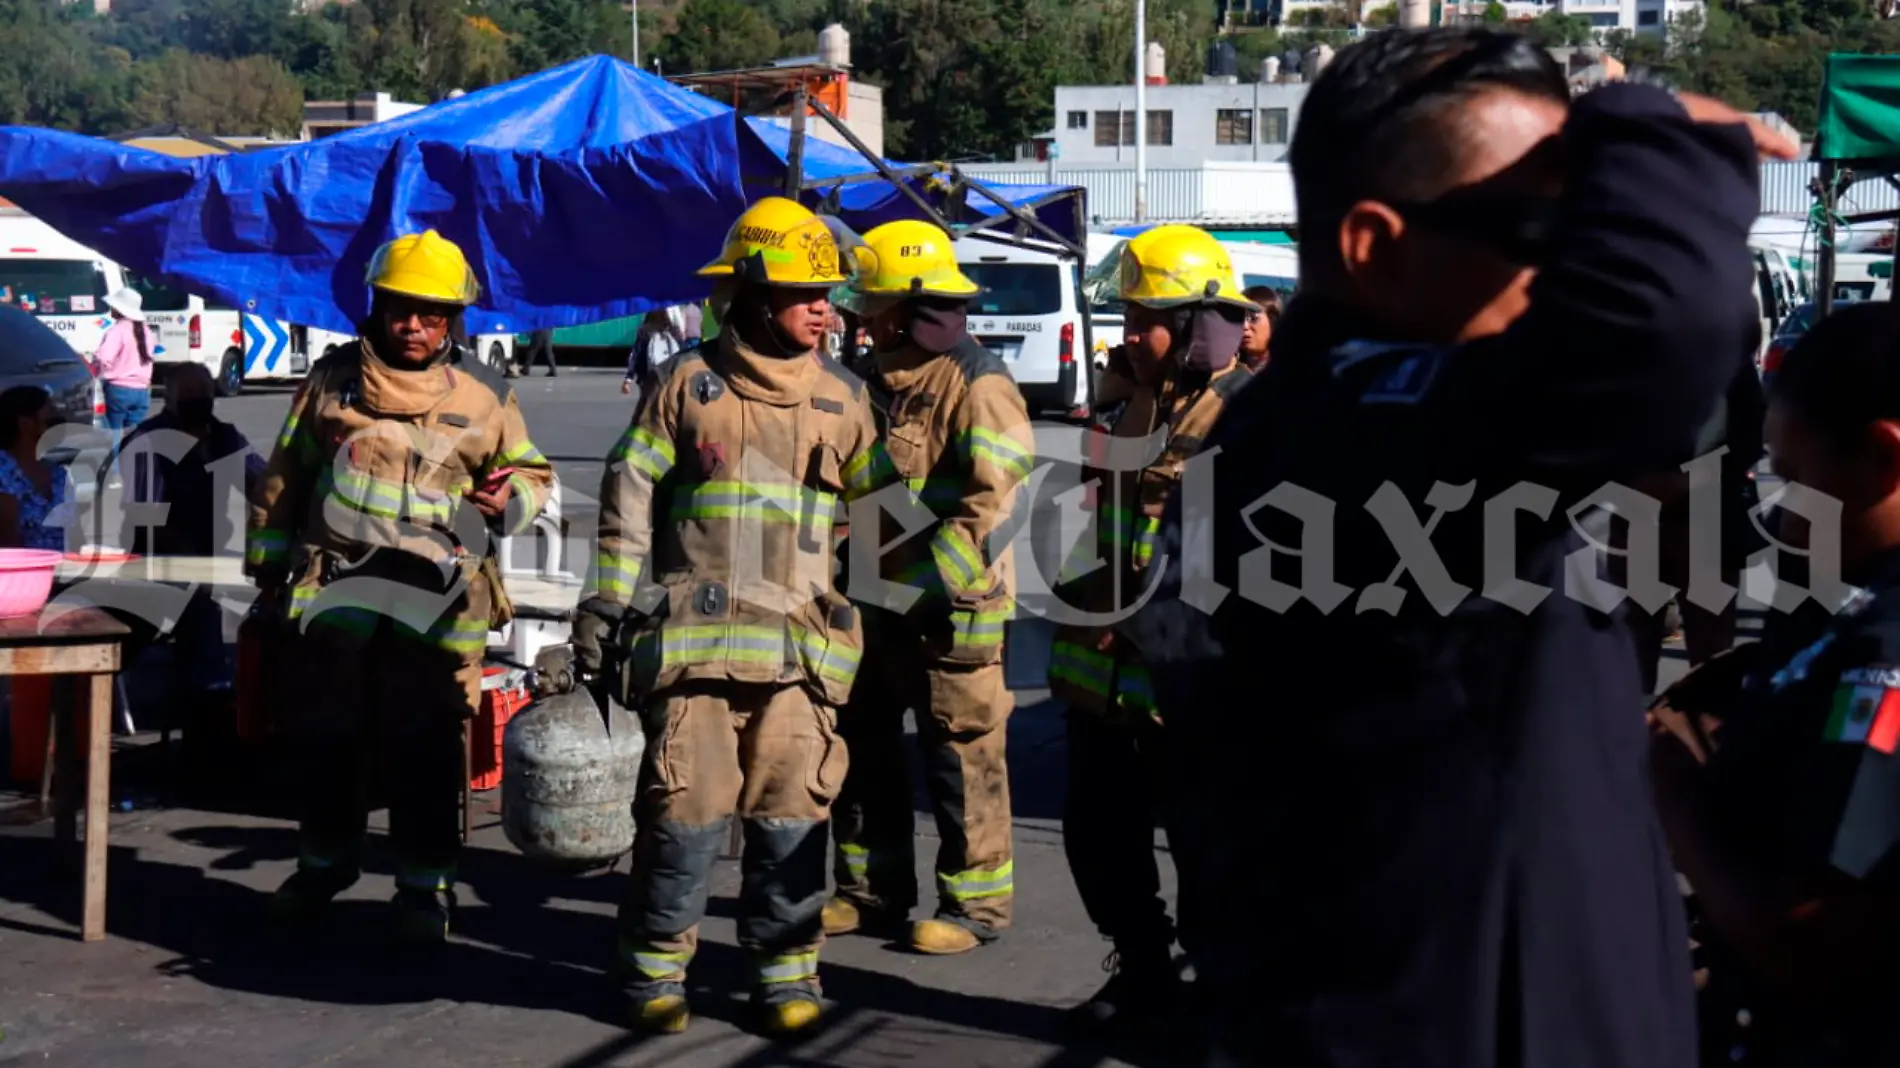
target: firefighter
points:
(957, 432)
(714, 577)
(370, 534)
(1184, 323)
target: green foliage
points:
(962, 78)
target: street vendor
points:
(371, 534)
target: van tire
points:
(231, 374)
(497, 358)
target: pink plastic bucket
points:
(26, 580)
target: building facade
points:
(1187, 124)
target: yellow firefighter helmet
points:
(1176, 264)
(426, 266)
(912, 258)
(780, 242)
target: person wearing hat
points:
(123, 362)
(371, 533)
(1184, 326)
(712, 606)
(958, 434)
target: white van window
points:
(1279, 283)
(1016, 288)
(159, 296)
(52, 287)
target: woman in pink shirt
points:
(123, 362)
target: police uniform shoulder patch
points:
(1398, 373)
(706, 387)
(1866, 708)
(976, 362)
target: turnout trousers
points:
(769, 754)
(962, 719)
(380, 709)
(1121, 783)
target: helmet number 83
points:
(907, 251)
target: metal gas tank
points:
(569, 775)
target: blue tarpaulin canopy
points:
(585, 192)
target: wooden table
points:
(84, 642)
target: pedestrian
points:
(1421, 812)
(715, 561)
(371, 535)
(1185, 323)
(654, 344)
(540, 350)
(957, 432)
(1260, 322)
(32, 490)
(123, 363)
(1774, 765)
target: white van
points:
(1863, 276)
(56, 280)
(1030, 315)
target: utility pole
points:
(1141, 110)
(633, 6)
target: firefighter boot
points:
(843, 916)
(305, 896)
(947, 936)
(658, 1006)
(422, 916)
(787, 1009)
(1143, 989)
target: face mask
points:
(195, 410)
(937, 326)
(1213, 339)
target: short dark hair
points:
(20, 402)
(1268, 298)
(1375, 124)
(1844, 374)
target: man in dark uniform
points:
(1791, 836)
(1428, 836)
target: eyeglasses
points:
(431, 316)
(1521, 226)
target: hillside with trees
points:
(963, 78)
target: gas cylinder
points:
(570, 770)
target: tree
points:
(1554, 30)
(1494, 14)
(713, 35)
(253, 95)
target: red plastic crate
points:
(504, 693)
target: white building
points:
(1639, 16)
(1187, 124)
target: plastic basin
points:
(26, 580)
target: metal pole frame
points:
(1824, 299)
(795, 153)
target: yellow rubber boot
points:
(943, 938)
(841, 916)
(660, 1008)
(788, 1009)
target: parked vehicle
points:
(1274, 266)
(56, 280)
(1792, 327)
(1030, 315)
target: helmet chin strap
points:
(752, 317)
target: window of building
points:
(1108, 129)
(1078, 120)
(1233, 126)
(1273, 123)
(1646, 18)
(1601, 19)
(1160, 128)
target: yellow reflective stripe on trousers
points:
(1082, 667)
(977, 883)
(453, 633)
(957, 559)
(1134, 689)
(749, 501)
(266, 546)
(983, 444)
(788, 967)
(857, 859)
(647, 452)
(615, 574)
(654, 963)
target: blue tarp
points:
(585, 192)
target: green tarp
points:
(1860, 110)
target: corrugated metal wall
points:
(1784, 191)
(1181, 192)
